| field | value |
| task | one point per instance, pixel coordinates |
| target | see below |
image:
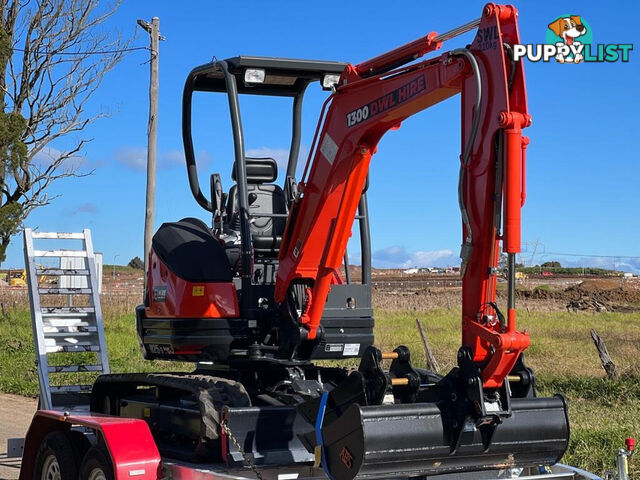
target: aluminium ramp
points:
(68, 330)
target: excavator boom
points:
(378, 95)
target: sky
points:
(583, 166)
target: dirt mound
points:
(611, 295)
(600, 295)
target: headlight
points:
(329, 81)
(254, 75)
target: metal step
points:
(60, 253)
(64, 291)
(71, 326)
(71, 348)
(76, 401)
(58, 235)
(72, 332)
(75, 329)
(57, 311)
(74, 368)
(69, 340)
(69, 321)
(70, 388)
(62, 271)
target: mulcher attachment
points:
(452, 425)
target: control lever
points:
(217, 197)
(291, 190)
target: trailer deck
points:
(134, 455)
(182, 471)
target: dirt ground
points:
(16, 413)
(544, 295)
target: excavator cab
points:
(210, 288)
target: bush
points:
(136, 263)
(553, 264)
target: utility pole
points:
(114, 265)
(153, 29)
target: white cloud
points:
(203, 159)
(171, 158)
(85, 208)
(45, 157)
(133, 157)
(280, 155)
(399, 257)
(136, 158)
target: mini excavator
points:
(258, 295)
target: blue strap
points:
(319, 419)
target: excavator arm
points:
(378, 95)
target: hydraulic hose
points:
(467, 246)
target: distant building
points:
(411, 271)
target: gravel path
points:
(15, 417)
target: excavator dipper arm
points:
(378, 95)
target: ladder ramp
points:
(66, 316)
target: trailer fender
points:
(133, 451)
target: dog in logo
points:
(569, 29)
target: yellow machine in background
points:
(17, 278)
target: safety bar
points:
(189, 155)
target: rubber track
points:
(212, 393)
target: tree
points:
(553, 264)
(136, 263)
(53, 57)
(503, 261)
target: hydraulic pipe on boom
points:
(378, 95)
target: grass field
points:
(602, 412)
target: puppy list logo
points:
(569, 40)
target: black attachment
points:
(291, 190)
(269, 435)
(347, 393)
(376, 381)
(522, 380)
(401, 368)
(453, 425)
(465, 404)
(387, 441)
(217, 197)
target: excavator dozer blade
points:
(408, 440)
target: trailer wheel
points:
(96, 465)
(56, 459)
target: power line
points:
(590, 255)
(100, 52)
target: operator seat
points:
(264, 198)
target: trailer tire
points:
(56, 458)
(96, 465)
(80, 444)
